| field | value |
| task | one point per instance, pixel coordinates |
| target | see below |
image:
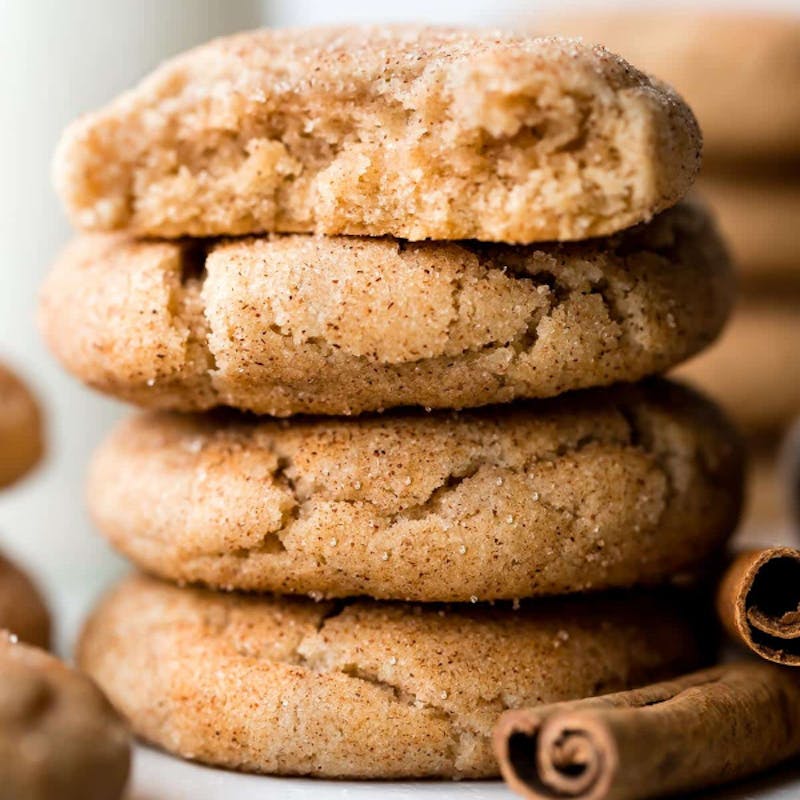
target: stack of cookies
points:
(427, 221)
(741, 73)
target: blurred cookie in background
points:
(753, 371)
(22, 610)
(772, 503)
(739, 71)
(766, 520)
(59, 736)
(759, 215)
(21, 444)
(790, 469)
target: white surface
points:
(157, 776)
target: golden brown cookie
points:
(759, 217)
(640, 484)
(22, 609)
(340, 325)
(20, 428)
(420, 133)
(754, 370)
(739, 71)
(59, 737)
(360, 688)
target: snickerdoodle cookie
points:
(337, 325)
(361, 688)
(754, 370)
(739, 71)
(59, 736)
(420, 133)
(22, 610)
(633, 485)
(20, 428)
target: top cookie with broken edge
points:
(412, 132)
(722, 61)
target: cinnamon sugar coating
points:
(635, 485)
(340, 325)
(360, 689)
(419, 133)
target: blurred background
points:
(63, 57)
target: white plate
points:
(157, 776)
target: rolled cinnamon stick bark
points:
(758, 603)
(698, 731)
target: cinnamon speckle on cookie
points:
(360, 688)
(505, 502)
(414, 132)
(294, 324)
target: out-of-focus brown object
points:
(771, 516)
(766, 518)
(758, 603)
(20, 428)
(22, 610)
(790, 469)
(753, 371)
(60, 739)
(697, 731)
(738, 71)
(759, 217)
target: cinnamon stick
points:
(758, 603)
(698, 731)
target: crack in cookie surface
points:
(597, 489)
(298, 324)
(362, 688)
